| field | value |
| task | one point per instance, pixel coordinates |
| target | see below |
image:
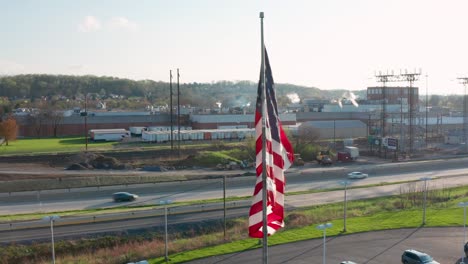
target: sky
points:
(332, 44)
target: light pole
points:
(165, 203)
(345, 184)
(425, 179)
(324, 228)
(52, 219)
(224, 205)
(464, 205)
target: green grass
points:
(379, 221)
(363, 216)
(76, 144)
(52, 145)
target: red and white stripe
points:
(279, 157)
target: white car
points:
(357, 175)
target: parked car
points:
(348, 262)
(357, 175)
(124, 197)
(411, 256)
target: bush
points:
(308, 152)
(211, 159)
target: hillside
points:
(58, 89)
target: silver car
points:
(411, 256)
(357, 175)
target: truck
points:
(116, 134)
(137, 131)
(343, 156)
(353, 152)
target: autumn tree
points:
(8, 129)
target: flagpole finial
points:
(261, 15)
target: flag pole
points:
(264, 175)
(170, 105)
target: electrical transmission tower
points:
(412, 103)
(384, 78)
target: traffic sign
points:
(392, 143)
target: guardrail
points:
(159, 211)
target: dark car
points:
(124, 197)
(326, 161)
(412, 256)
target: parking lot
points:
(445, 245)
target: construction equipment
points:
(323, 157)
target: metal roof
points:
(336, 124)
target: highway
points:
(299, 179)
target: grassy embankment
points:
(223, 153)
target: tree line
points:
(32, 88)
(68, 91)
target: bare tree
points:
(305, 143)
(307, 135)
(55, 118)
(37, 120)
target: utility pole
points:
(427, 106)
(85, 114)
(334, 134)
(178, 113)
(464, 81)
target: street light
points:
(52, 219)
(345, 184)
(165, 203)
(425, 179)
(464, 205)
(224, 205)
(324, 228)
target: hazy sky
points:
(329, 44)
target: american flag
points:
(279, 157)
